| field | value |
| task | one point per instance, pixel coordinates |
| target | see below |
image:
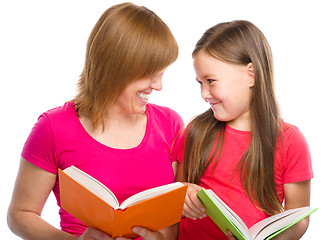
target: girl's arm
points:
(32, 188)
(193, 207)
(296, 195)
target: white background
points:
(42, 47)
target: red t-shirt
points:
(292, 164)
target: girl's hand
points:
(193, 207)
(94, 234)
(229, 235)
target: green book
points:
(226, 219)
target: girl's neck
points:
(242, 123)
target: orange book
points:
(95, 205)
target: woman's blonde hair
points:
(240, 42)
(128, 43)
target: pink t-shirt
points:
(292, 164)
(58, 140)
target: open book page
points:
(277, 222)
(150, 193)
(224, 217)
(93, 185)
(101, 191)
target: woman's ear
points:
(251, 75)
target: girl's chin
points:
(221, 117)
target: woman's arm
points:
(32, 188)
(296, 195)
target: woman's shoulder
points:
(161, 111)
(60, 111)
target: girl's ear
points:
(251, 75)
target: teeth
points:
(142, 95)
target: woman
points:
(109, 130)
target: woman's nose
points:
(156, 84)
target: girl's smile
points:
(226, 87)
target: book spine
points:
(117, 223)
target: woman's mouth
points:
(143, 95)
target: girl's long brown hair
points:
(128, 43)
(240, 42)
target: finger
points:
(143, 232)
(197, 204)
(193, 207)
(229, 235)
(188, 210)
(94, 233)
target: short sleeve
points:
(39, 148)
(178, 147)
(297, 163)
(178, 129)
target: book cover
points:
(227, 219)
(154, 213)
(219, 217)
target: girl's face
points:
(134, 98)
(227, 89)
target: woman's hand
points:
(94, 234)
(145, 233)
(193, 207)
(167, 233)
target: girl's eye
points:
(210, 81)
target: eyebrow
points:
(208, 76)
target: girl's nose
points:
(205, 93)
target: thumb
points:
(143, 232)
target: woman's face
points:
(226, 87)
(134, 98)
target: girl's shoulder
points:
(288, 131)
(293, 138)
(294, 152)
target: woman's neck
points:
(122, 131)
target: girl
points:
(109, 130)
(241, 148)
